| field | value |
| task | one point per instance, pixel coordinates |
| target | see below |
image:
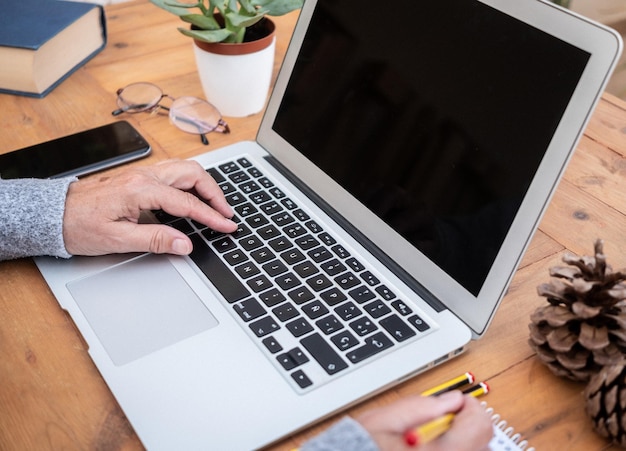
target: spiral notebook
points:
(504, 436)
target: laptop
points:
(400, 170)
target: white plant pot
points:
(236, 83)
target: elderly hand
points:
(102, 212)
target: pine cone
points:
(584, 326)
(606, 403)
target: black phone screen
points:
(78, 154)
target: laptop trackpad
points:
(139, 307)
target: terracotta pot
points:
(236, 77)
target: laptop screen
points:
(439, 131)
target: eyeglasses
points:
(190, 114)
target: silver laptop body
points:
(422, 154)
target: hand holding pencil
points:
(468, 427)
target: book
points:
(504, 436)
(42, 42)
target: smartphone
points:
(78, 154)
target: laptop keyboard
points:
(315, 309)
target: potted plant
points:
(233, 43)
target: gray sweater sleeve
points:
(31, 217)
(345, 435)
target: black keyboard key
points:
(370, 279)
(397, 328)
(301, 215)
(285, 312)
(272, 297)
(249, 309)
(319, 282)
(245, 209)
(224, 244)
(344, 340)
(264, 326)
(333, 267)
(313, 226)
(333, 296)
(418, 323)
(373, 345)
(299, 327)
(301, 379)
(272, 345)
(377, 308)
(305, 269)
(261, 197)
(251, 242)
(323, 353)
(293, 256)
(278, 194)
(290, 360)
(262, 255)
(229, 167)
(271, 208)
(329, 324)
(249, 187)
(340, 251)
(300, 295)
(216, 271)
(211, 234)
(363, 326)
(361, 294)
(235, 257)
(347, 281)
(348, 311)
(282, 219)
(314, 309)
(306, 242)
(268, 232)
(294, 230)
(327, 239)
(319, 254)
(244, 162)
(287, 281)
(267, 183)
(401, 307)
(235, 198)
(274, 268)
(288, 203)
(257, 220)
(280, 244)
(254, 172)
(385, 293)
(239, 177)
(242, 230)
(259, 283)
(246, 270)
(355, 264)
(217, 176)
(227, 188)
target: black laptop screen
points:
(435, 115)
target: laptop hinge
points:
(437, 305)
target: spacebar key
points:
(216, 271)
(323, 353)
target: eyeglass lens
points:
(190, 114)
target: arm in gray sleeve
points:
(31, 217)
(346, 435)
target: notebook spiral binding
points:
(504, 438)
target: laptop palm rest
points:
(139, 307)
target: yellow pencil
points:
(459, 381)
(434, 428)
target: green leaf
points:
(207, 35)
(202, 22)
(239, 20)
(278, 7)
(174, 7)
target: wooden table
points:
(52, 396)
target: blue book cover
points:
(30, 24)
